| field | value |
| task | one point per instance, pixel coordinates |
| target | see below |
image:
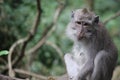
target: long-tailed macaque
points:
(94, 54)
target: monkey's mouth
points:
(80, 37)
(84, 36)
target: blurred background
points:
(43, 52)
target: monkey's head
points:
(82, 25)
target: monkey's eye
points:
(85, 24)
(78, 22)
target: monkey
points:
(94, 54)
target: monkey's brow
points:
(83, 20)
(85, 17)
(80, 18)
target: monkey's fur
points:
(94, 54)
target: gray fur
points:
(94, 53)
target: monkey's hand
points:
(72, 67)
(86, 69)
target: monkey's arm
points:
(85, 70)
(71, 66)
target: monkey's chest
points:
(80, 56)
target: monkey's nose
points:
(80, 36)
(80, 33)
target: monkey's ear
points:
(72, 14)
(85, 10)
(96, 19)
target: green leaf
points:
(4, 52)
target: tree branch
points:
(1, 1)
(40, 77)
(2, 77)
(24, 41)
(60, 53)
(47, 30)
(90, 4)
(112, 17)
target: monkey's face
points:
(82, 25)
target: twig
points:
(116, 15)
(90, 4)
(45, 34)
(32, 31)
(2, 77)
(40, 77)
(47, 30)
(59, 51)
(24, 41)
(1, 1)
(63, 77)
(12, 48)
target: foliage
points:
(17, 16)
(3, 52)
